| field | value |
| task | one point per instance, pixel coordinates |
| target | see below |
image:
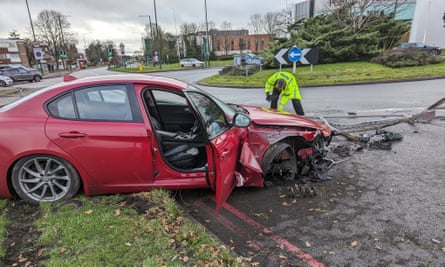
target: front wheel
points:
(44, 178)
(2, 84)
(279, 163)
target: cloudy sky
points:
(124, 20)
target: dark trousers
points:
(295, 103)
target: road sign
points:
(36, 44)
(310, 56)
(294, 54)
(279, 56)
(38, 53)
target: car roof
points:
(124, 78)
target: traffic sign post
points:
(294, 55)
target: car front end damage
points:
(283, 146)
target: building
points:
(13, 52)
(428, 25)
(232, 42)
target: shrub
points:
(406, 58)
(239, 70)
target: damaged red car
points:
(131, 133)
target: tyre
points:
(44, 178)
(37, 78)
(434, 52)
(279, 163)
(2, 84)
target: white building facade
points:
(428, 25)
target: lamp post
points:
(33, 33)
(147, 38)
(177, 37)
(207, 36)
(158, 36)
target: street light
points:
(63, 52)
(207, 35)
(159, 37)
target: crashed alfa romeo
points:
(131, 133)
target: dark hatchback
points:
(21, 73)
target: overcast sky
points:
(121, 21)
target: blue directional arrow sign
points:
(294, 54)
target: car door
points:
(223, 147)
(102, 129)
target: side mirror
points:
(241, 120)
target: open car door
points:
(225, 150)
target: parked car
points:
(432, 50)
(191, 62)
(5, 81)
(22, 74)
(248, 59)
(130, 133)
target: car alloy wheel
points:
(2, 84)
(44, 178)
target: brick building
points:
(231, 42)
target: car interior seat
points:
(178, 153)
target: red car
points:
(130, 133)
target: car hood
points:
(270, 117)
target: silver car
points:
(191, 62)
(5, 81)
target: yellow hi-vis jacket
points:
(290, 91)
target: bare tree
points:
(53, 29)
(358, 11)
(188, 28)
(256, 22)
(272, 22)
(13, 35)
(226, 27)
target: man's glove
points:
(268, 97)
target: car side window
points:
(211, 113)
(106, 103)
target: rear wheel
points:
(434, 52)
(279, 163)
(44, 178)
(37, 78)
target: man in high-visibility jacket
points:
(283, 84)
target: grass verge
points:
(339, 73)
(3, 223)
(109, 231)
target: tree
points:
(53, 29)
(443, 18)
(271, 22)
(13, 35)
(256, 22)
(226, 27)
(189, 32)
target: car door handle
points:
(72, 135)
(225, 153)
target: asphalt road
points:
(381, 208)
